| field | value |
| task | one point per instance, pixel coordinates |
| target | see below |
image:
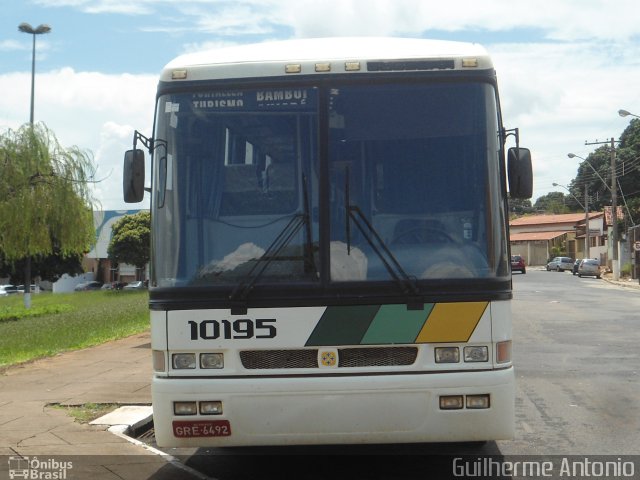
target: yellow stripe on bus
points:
(451, 322)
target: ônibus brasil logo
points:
(34, 468)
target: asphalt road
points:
(576, 351)
(577, 357)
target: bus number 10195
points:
(243, 328)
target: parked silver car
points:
(560, 264)
(589, 268)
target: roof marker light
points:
(179, 74)
(470, 63)
(323, 67)
(351, 66)
(293, 68)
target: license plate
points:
(201, 428)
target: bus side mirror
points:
(133, 176)
(520, 173)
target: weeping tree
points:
(46, 204)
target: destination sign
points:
(273, 99)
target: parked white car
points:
(560, 264)
(7, 290)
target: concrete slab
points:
(133, 416)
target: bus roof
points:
(325, 56)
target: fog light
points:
(182, 361)
(476, 354)
(503, 352)
(212, 360)
(478, 401)
(451, 402)
(211, 408)
(447, 354)
(185, 408)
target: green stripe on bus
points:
(396, 324)
(345, 325)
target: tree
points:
(518, 207)
(45, 200)
(131, 240)
(47, 267)
(553, 202)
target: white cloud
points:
(128, 7)
(11, 45)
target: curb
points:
(125, 421)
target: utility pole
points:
(614, 208)
(586, 220)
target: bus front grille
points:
(268, 359)
(347, 358)
(377, 357)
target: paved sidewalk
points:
(116, 372)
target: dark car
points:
(84, 286)
(576, 264)
(518, 264)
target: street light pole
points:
(41, 29)
(614, 200)
(625, 113)
(26, 28)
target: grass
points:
(87, 412)
(70, 321)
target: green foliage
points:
(555, 202)
(518, 206)
(45, 201)
(89, 318)
(13, 313)
(47, 267)
(131, 240)
(87, 412)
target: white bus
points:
(330, 259)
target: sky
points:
(565, 67)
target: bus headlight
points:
(184, 361)
(447, 354)
(476, 354)
(212, 360)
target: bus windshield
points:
(407, 186)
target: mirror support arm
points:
(146, 141)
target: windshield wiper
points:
(407, 284)
(244, 287)
(282, 240)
